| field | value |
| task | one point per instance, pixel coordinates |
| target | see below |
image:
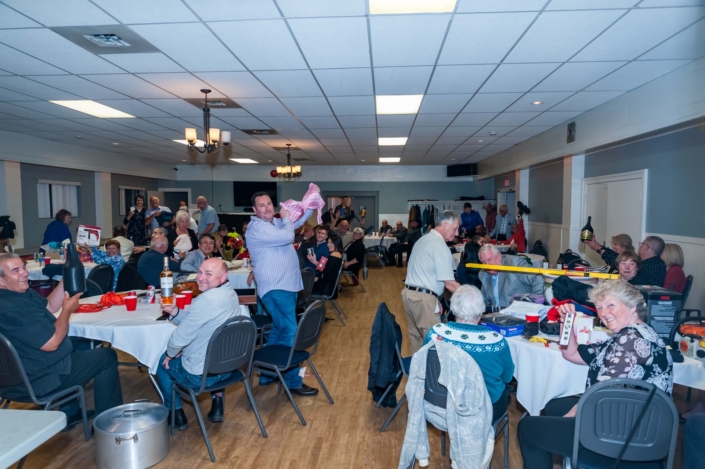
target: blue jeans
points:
(178, 373)
(281, 305)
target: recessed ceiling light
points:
(116, 143)
(479, 141)
(183, 161)
(399, 104)
(362, 160)
(536, 103)
(384, 142)
(94, 109)
(199, 143)
(269, 161)
(387, 7)
(243, 160)
(452, 159)
(79, 136)
(493, 132)
(389, 160)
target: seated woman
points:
(326, 281)
(58, 230)
(518, 239)
(635, 352)
(182, 239)
(355, 253)
(628, 264)
(218, 250)
(672, 255)
(468, 276)
(488, 348)
(620, 243)
(111, 256)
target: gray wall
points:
(499, 182)
(117, 180)
(546, 193)
(676, 170)
(34, 226)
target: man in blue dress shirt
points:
(469, 220)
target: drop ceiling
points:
(310, 69)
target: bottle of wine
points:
(587, 233)
(167, 284)
(74, 274)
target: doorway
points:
(506, 197)
(369, 200)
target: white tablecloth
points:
(374, 241)
(21, 431)
(456, 260)
(543, 374)
(238, 278)
(135, 332)
(35, 270)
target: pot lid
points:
(130, 418)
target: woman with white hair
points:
(488, 348)
(182, 239)
(355, 253)
(635, 351)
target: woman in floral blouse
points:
(635, 351)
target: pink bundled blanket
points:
(312, 200)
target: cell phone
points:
(310, 251)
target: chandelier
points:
(288, 171)
(213, 137)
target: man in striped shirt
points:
(276, 270)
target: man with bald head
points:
(151, 263)
(345, 233)
(185, 356)
(503, 227)
(208, 223)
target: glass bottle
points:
(587, 233)
(167, 284)
(74, 273)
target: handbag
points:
(321, 265)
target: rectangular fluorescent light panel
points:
(94, 109)
(385, 142)
(388, 7)
(243, 160)
(399, 104)
(390, 160)
(199, 143)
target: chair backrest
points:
(607, 413)
(436, 393)
(334, 288)
(309, 329)
(103, 275)
(92, 289)
(308, 277)
(11, 369)
(130, 279)
(231, 347)
(686, 289)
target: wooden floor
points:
(343, 435)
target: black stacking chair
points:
(130, 279)
(404, 363)
(329, 298)
(308, 277)
(686, 289)
(280, 358)
(104, 276)
(92, 289)
(230, 349)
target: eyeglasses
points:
(644, 243)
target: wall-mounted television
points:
(243, 191)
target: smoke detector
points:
(107, 40)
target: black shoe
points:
(304, 390)
(180, 421)
(77, 418)
(216, 413)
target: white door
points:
(596, 207)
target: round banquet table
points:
(237, 276)
(456, 260)
(370, 241)
(543, 374)
(35, 270)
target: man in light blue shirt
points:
(157, 215)
(208, 222)
(503, 228)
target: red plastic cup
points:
(131, 303)
(47, 260)
(532, 317)
(189, 296)
(180, 301)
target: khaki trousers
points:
(419, 308)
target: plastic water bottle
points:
(62, 254)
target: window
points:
(127, 197)
(53, 196)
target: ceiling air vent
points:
(300, 159)
(260, 131)
(107, 40)
(292, 148)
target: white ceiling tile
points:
(446, 140)
(192, 45)
(637, 32)
(244, 122)
(79, 87)
(517, 77)
(670, 3)
(308, 106)
(217, 10)
(34, 89)
(510, 140)
(586, 100)
(64, 13)
(345, 82)
(133, 107)
(491, 102)
(392, 132)
(473, 119)
(52, 109)
(483, 38)
(401, 120)
(264, 107)
(460, 131)
(407, 39)
(323, 39)
(574, 28)
(147, 11)
(551, 119)
(361, 133)
(328, 133)
(528, 131)
(305, 8)
(465, 6)
(434, 120)
(336, 144)
(320, 122)
(484, 133)
(590, 4)
(426, 132)
(48, 46)
(142, 124)
(635, 74)
(261, 44)
(22, 64)
(352, 122)
(353, 106)
(451, 79)
(549, 99)
(183, 85)
(401, 80)
(236, 84)
(283, 123)
(367, 141)
(7, 95)
(105, 124)
(574, 76)
(421, 141)
(444, 103)
(289, 84)
(150, 62)
(229, 112)
(9, 18)
(513, 119)
(688, 44)
(172, 123)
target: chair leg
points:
(360, 284)
(320, 381)
(202, 424)
(251, 401)
(687, 397)
(386, 391)
(335, 311)
(21, 464)
(340, 308)
(173, 408)
(443, 443)
(506, 445)
(291, 398)
(156, 387)
(394, 412)
(84, 415)
(5, 403)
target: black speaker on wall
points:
(457, 170)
